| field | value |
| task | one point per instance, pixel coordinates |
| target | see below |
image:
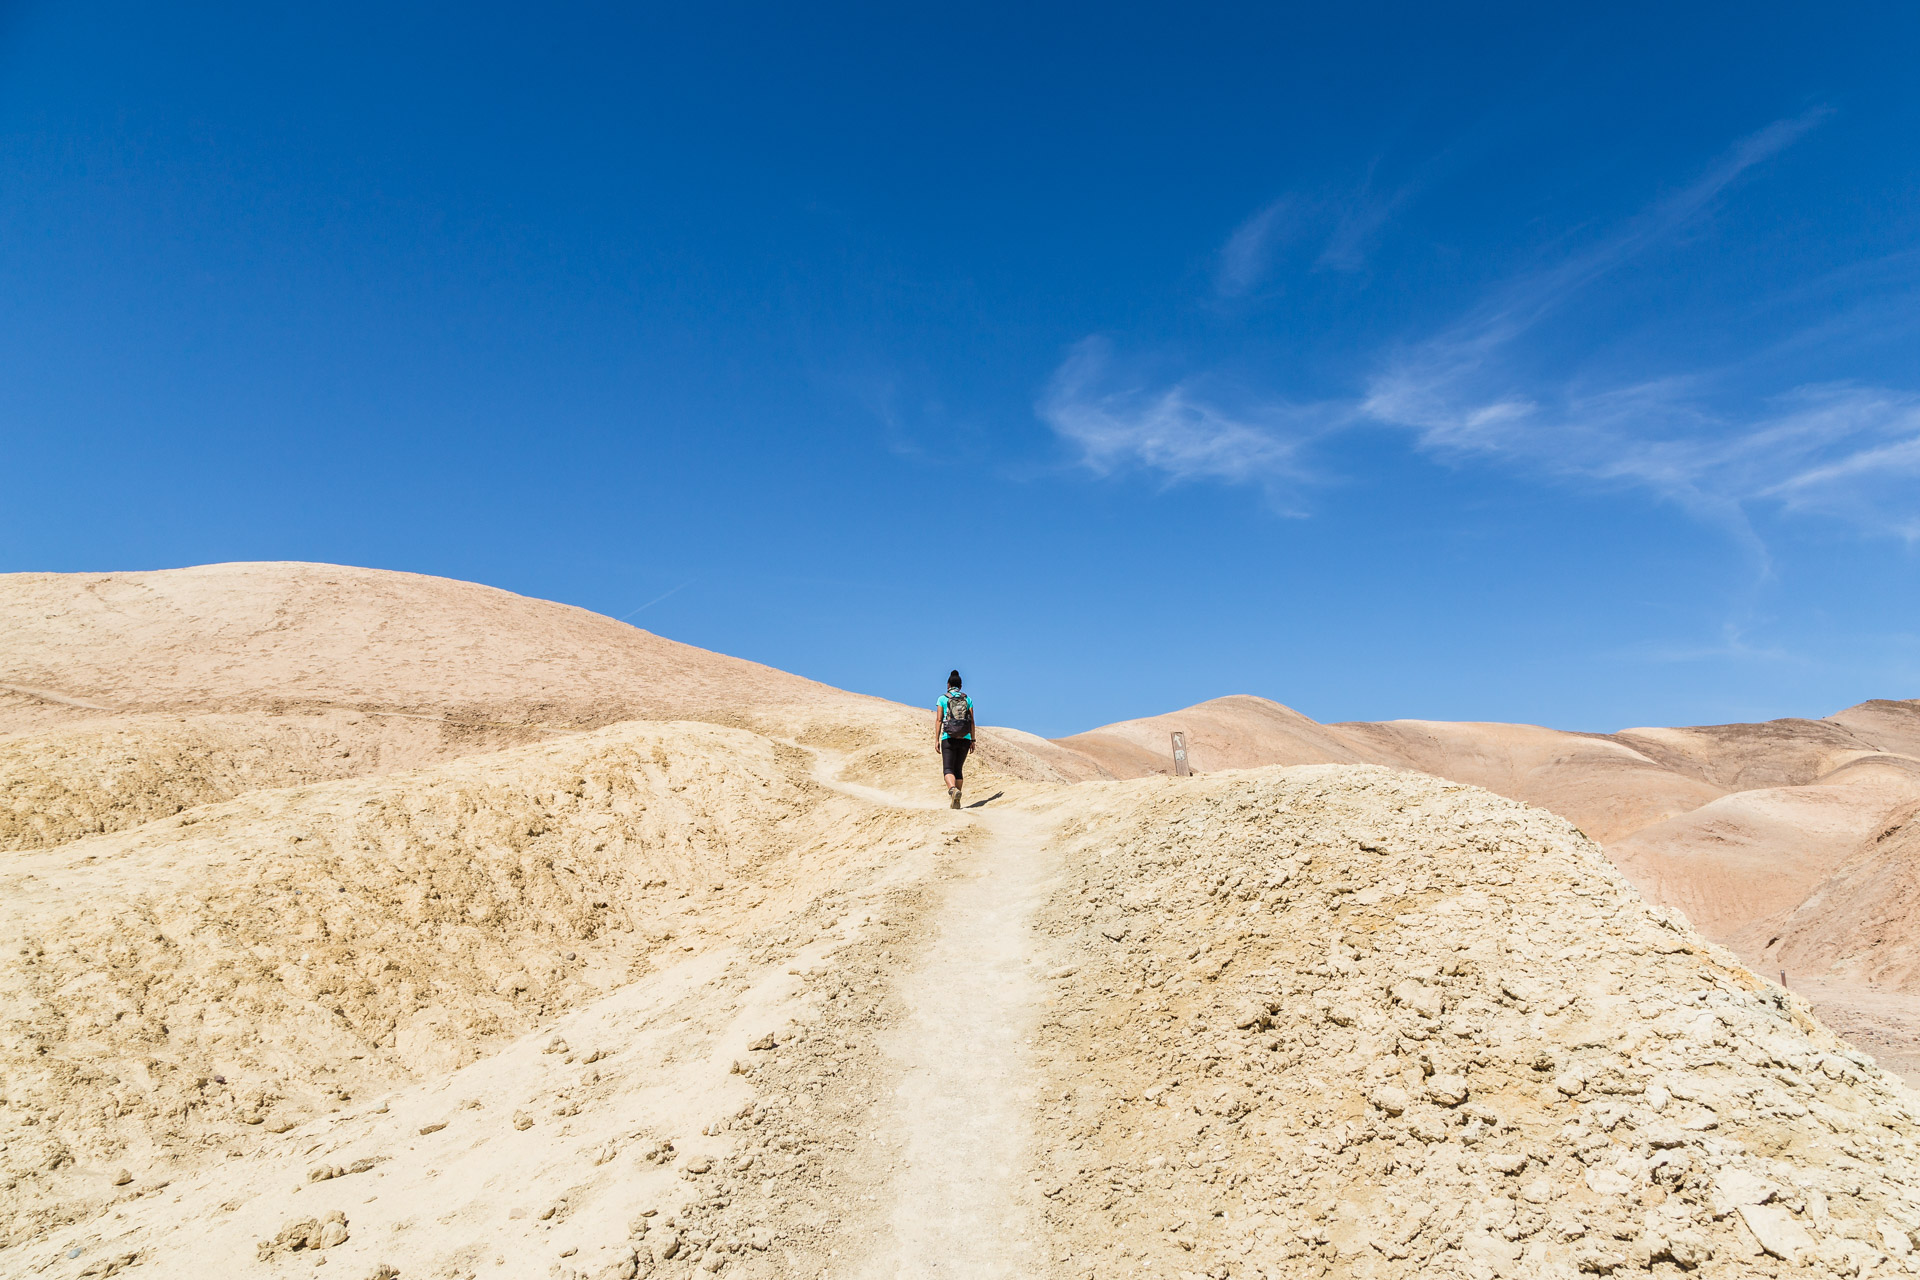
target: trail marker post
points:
(1180, 766)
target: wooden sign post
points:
(1180, 766)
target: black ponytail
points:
(953, 679)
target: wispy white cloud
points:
(1842, 450)
(1816, 448)
(1358, 219)
(1665, 216)
(1444, 384)
(1858, 459)
(1344, 223)
(1248, 253)
(1732, 644)
(1175, 430)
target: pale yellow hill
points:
(128, 696)
(282, 637)
(410, 928)
(1733, 824)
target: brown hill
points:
(375, 946)
(1603, 785)
(1238, 732)
(1859, 923)
(1888, 725)
(129, 696)
(1606, 786)
(1733, 824)
(281, 637)
(1756, 852)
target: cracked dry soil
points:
(1332, 1020)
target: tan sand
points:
(484, 937)
(1732, 824)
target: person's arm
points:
(936, 724)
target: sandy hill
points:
(1744, 827)
(128, 696)
(640, 961)
(288, 637)
(1336, 1012)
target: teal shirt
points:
(941, 707)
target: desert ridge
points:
(421, 929)
(1780, 840)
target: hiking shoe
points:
(954, 792)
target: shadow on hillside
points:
(989, 800)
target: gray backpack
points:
(958, 722)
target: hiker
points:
(953, 731)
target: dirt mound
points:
(111, 773)
(254, 963)
(129, 696)
(1346, 1018)
(1321, 1021)
(283, 636)
(1237, 732)
(1733, 824)
(342, 927)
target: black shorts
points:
(953, 756)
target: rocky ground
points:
(1792, 842)
(283, 986)
(1322, 1020)
(1344, 1019)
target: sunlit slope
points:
(281, 637)
(129, 696)
(1345, 1021)
(1730, 822)
(307, 944)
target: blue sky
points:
(1495, 363)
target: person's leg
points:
(953, 755)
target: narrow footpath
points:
(965, 1205)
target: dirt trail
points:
(964, 1201)
(456, 990)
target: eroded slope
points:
(128, 696)
(112, 773)
(1737, 825)
(278, 636)
(182, 986)
(1347, 1019)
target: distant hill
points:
(1774, 838)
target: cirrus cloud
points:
(1837, 449)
